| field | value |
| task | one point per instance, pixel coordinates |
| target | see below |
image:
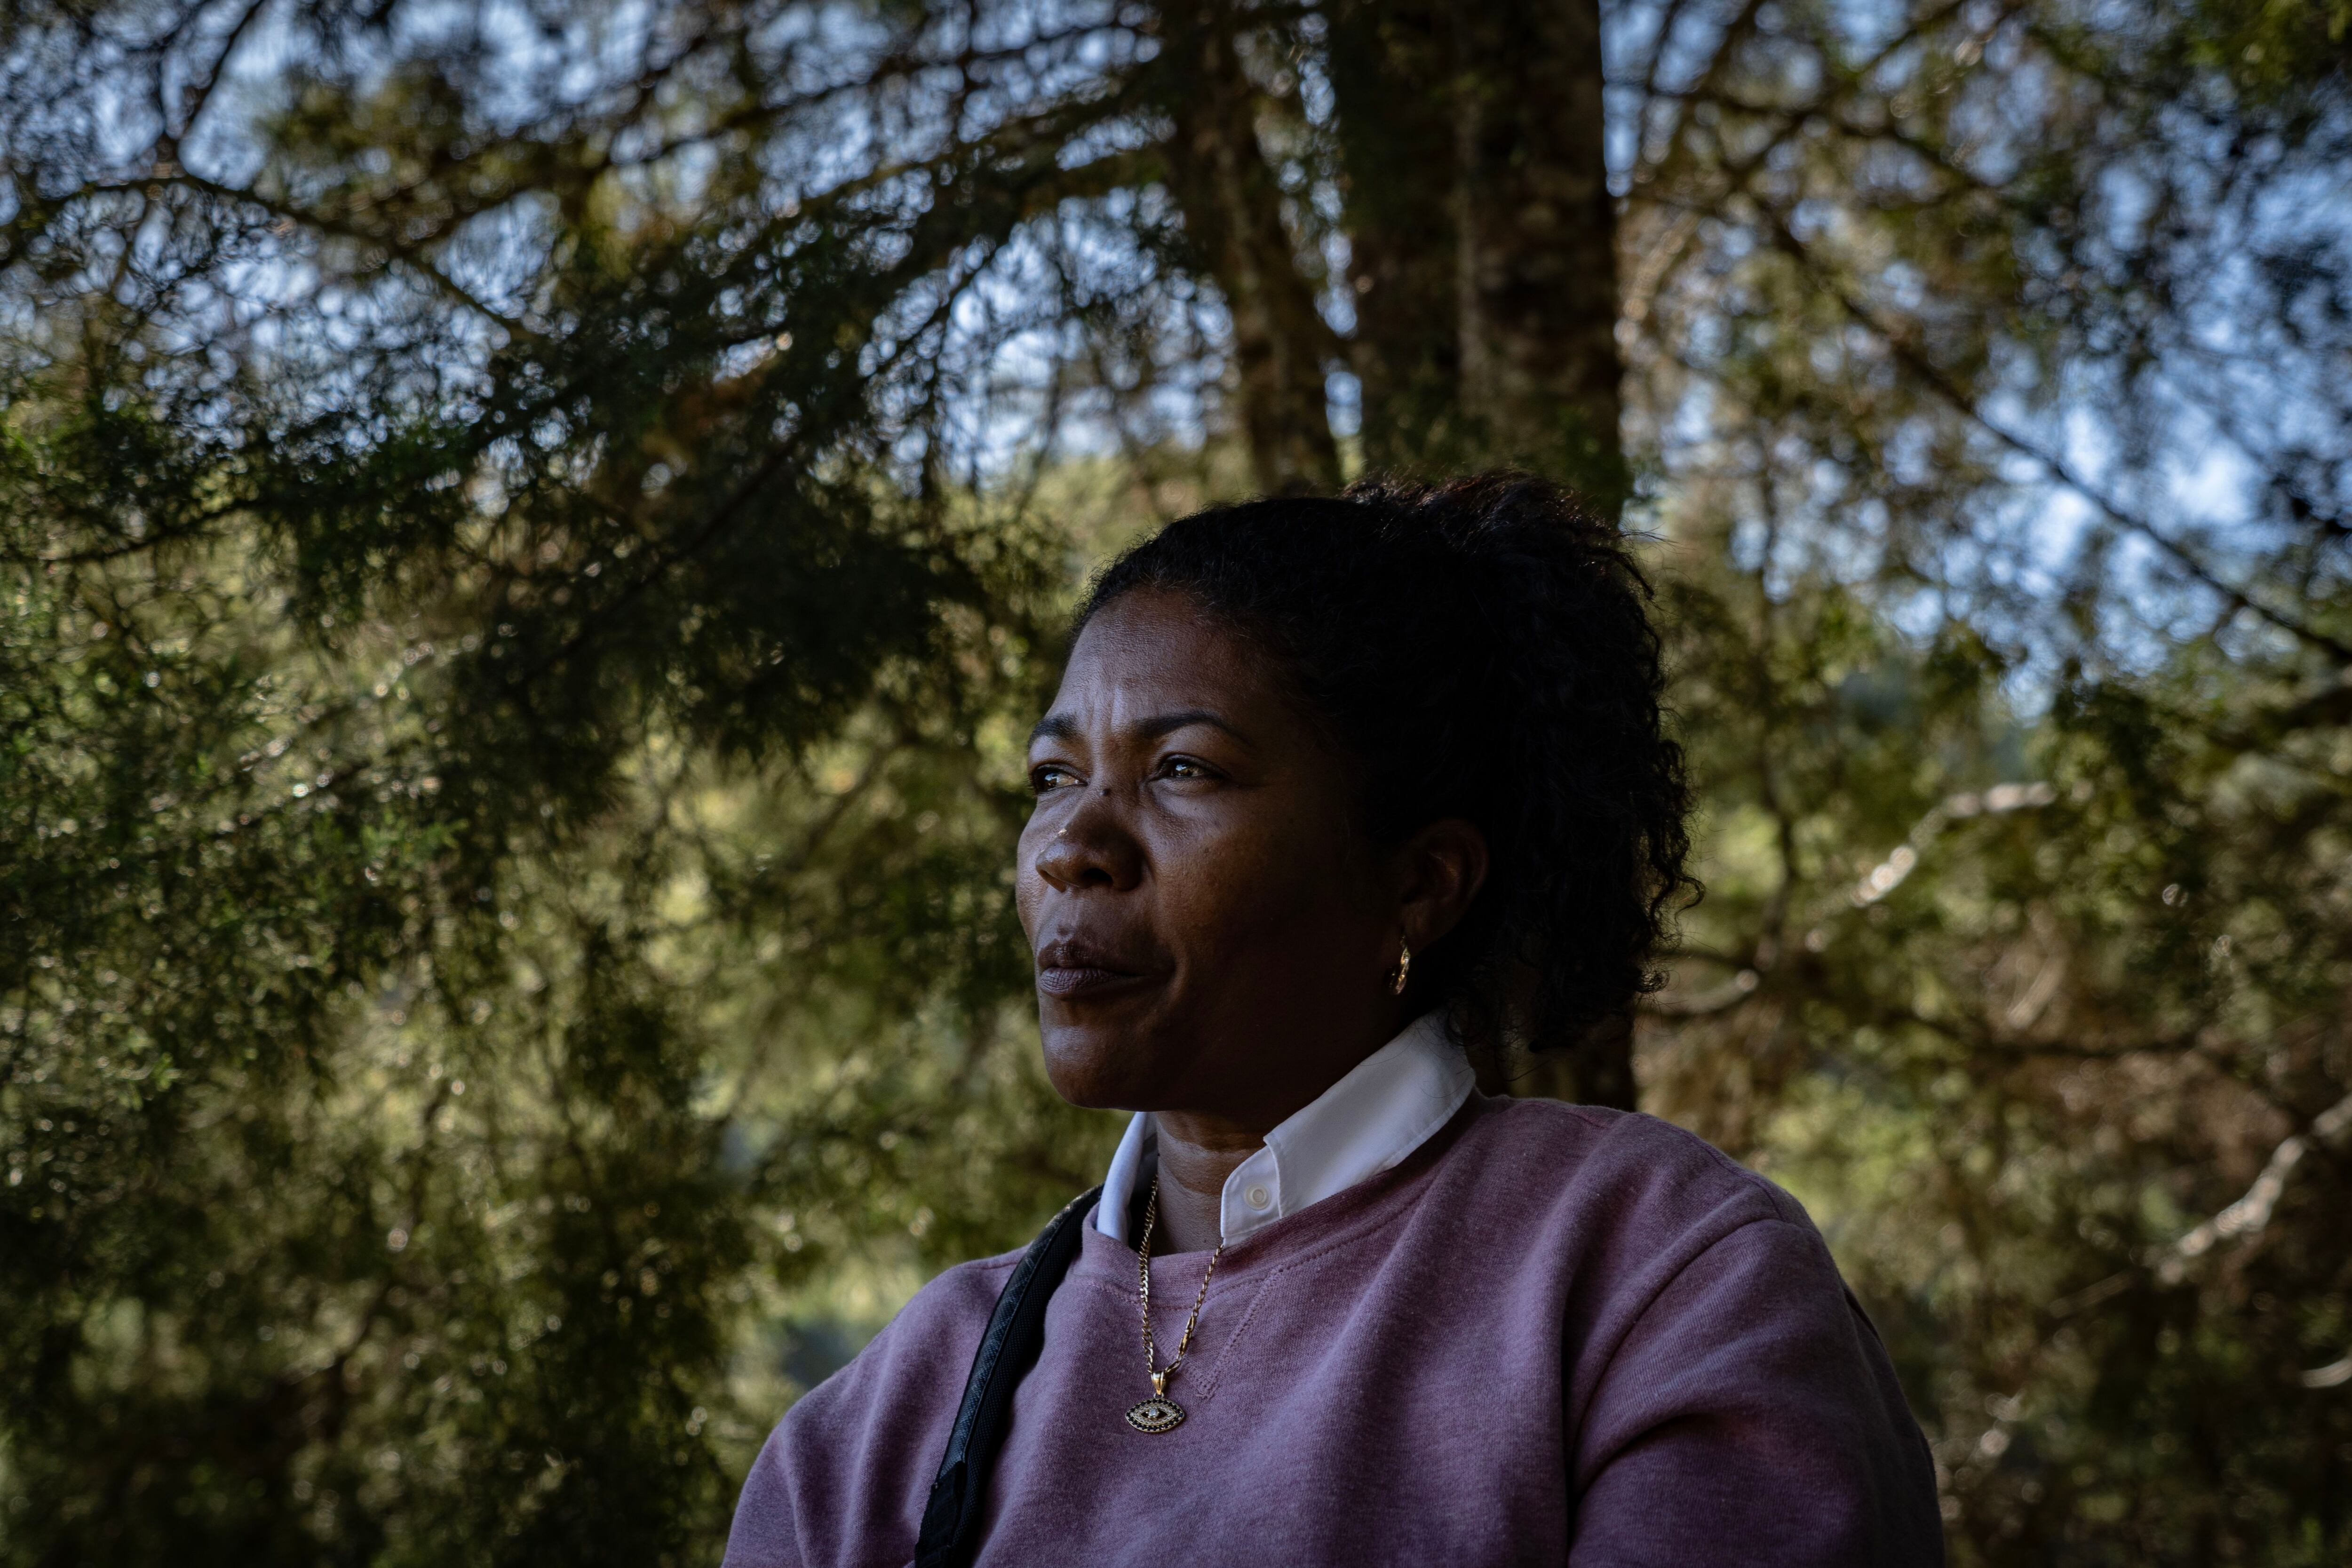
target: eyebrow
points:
(1061, 727)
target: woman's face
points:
(1210, 935)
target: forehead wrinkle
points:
(1061, 727)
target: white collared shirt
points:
(1386, 1106)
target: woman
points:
(1336, 794)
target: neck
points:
(1199, 1149)
(1197, 1152)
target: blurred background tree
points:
(533, 534)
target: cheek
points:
(1252, 884)
(1027, 884)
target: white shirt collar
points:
(1386, 1106)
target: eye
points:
(1047, 776)
(1186, 768)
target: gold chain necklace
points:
(1159, 1413)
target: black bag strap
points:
(1017, 1332)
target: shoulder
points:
(938, 1329)
(1634, 1168)
(956, 1294)
(1712, 1353)
(835, 1470)
(1615, 1206)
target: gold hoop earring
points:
(1403, 968)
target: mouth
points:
(1075, 968)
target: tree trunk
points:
(1484, 237)
(1538, 244)
(1596, 1070)
(1233, 216)
(1391, 65)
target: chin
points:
(1100, 1066)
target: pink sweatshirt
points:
(1552, 1335)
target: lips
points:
(1073, 968)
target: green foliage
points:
(502, 833)
(391, 1171)
(2015, 1041)
(2024, 962)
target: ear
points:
(1440, 869)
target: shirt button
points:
(1258, 1197)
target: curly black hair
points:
(1478, 649)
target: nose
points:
(1091, 850)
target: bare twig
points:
(2249, 1215)
(1907, 354)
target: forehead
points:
(1151, 651)
(1163, 643)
